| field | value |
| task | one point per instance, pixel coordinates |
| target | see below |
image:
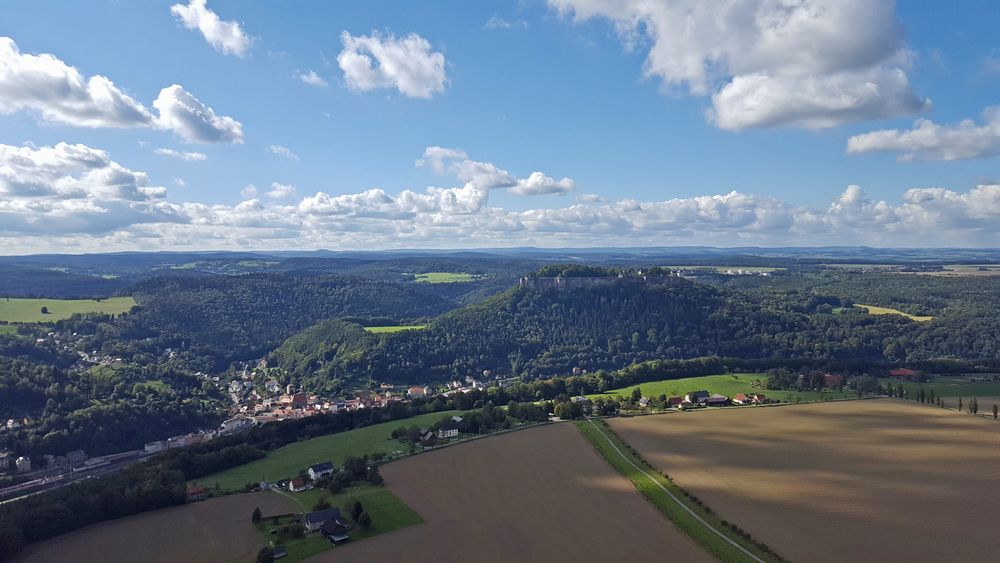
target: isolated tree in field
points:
(355, 510)
(973, 406)
(959, 403)
(365, 521)
(45, 310)
(413, 434)
(255, 517)
(321, 504)
(995, 411)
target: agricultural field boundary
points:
(700, 540)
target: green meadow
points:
(396, 328)
(15, 310)
(287, 461)
(727, 384)
(444, 277)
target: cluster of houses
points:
(11, 462)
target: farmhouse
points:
(328, 520)
(416, 392)
(195, 493)
(833, 380)
(699, 397)
(297, 485)
(904, 373)
(447, 433)
(320, 469)
(427, 437)
(716, 400)
(335, 530)
(674, 402)
(741, 399)
(644, 402)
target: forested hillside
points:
(537, 333)
(221, 319)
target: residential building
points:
(23, 464)
(447, 433)
(320, 469)
(76, 456)
(297, 485)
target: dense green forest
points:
(541, 333)
(216, 320)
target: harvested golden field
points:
(217, 529)
(540, 494)
(873, 480)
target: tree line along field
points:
(727, 384)
(286, 462)
(16, 310)
(873, 310)
(875, 480)
(538, 494)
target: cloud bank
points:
(76, 198)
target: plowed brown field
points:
(874, 480)
(540, 494)
(216, 530)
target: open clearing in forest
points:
(396, 328)
(873, 310)
(15, 310)
(540, 494)
(444, 277)
(287, 461)
(872, 480)
(217, 529)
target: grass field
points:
(651, 484)
(397, 328)
(950, 386)
(444, 277)
(387, 511)
(29, 310)
(287, 461)
(539, 494)
(873, 310)
(217, 529)
(729, 385)
(872, 480)
(8, 329)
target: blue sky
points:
(603, 94)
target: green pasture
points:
(726, 384)
(287, 461)
(444, 277)
(15, 310)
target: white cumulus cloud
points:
(59, 93)
(312, 79)
(280, 191)
(766, 63)
(282, 151)
(929, 141)
(227, 37)
(405, 63)
(185, 115)
(188, 156)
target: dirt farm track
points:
(541, 494)
(214, 530)
(874, 480)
